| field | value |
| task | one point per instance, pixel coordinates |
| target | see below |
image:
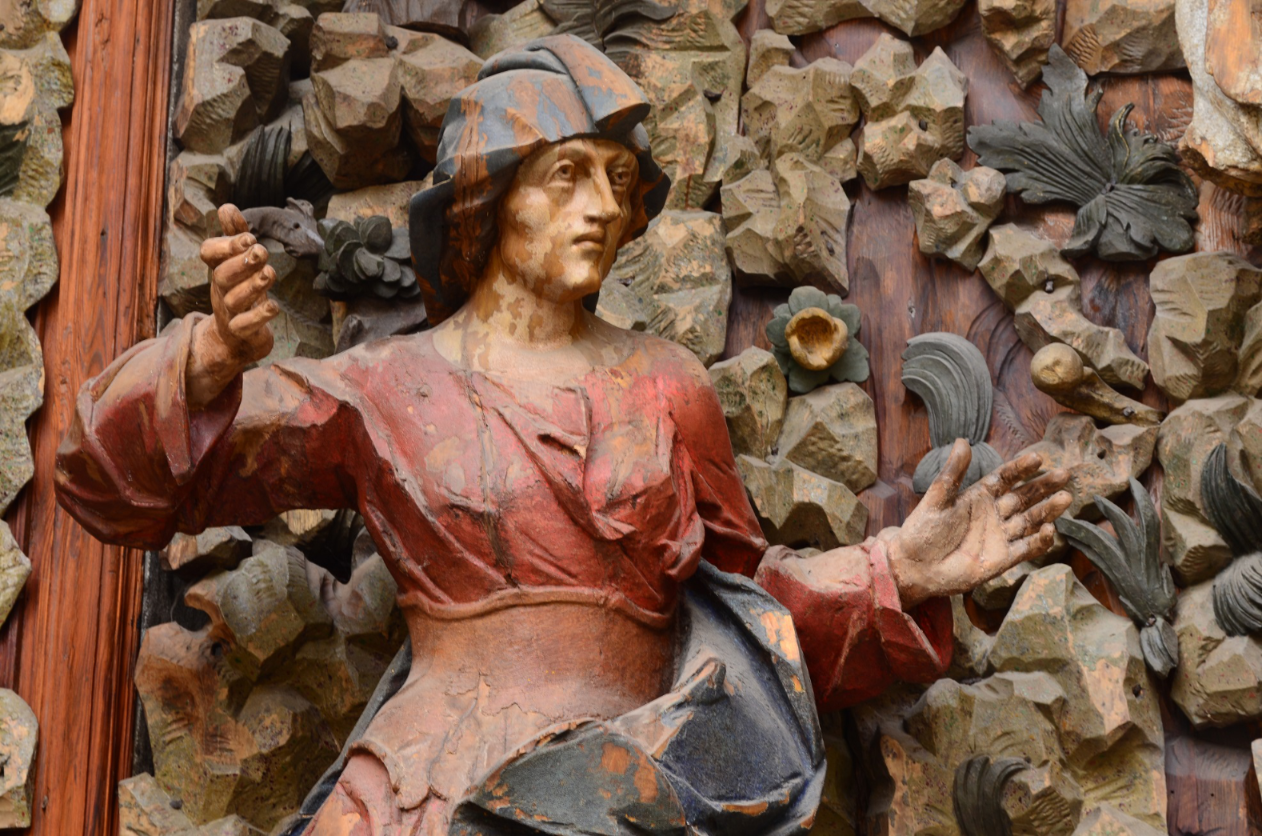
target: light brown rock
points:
(236, 77)
(1249, 377)
(1021, 31)
(214, 549)
(954, 208)
(432, 69)
(753, 393)
(15, 568)
(767, 49)
(354, 122)
(26, 22)
(520, 24)
(787, 227)
(807, 111)
(1246, 442)
(185, 284)
(1223, 141)
(338, 38)
(915, 115)
(198, 184)
(1100, 462)
(799, 508)
(679, 272)
(19, 739)
(390, 200)
(1122, 36)
(1216, 683)
(802, 17)
(832, 431)
(917, 17)
(1107, 820)
(28, 256)
(999, 592)
(38, 83)
(1030, 276)
(1200, 300)
(1193, 548)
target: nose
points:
(602, 207)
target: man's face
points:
(563, 216)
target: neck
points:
(504, 307)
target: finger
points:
(1032, 547)
(240, 267)
(246, 325)
(1023, 525)
(946, 486)
(215, 251)
(232, 221)
(245, 295)
(999, 481)
(1024, 496)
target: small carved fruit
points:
(1057, 368)
(817, 339)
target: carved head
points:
(543, 160)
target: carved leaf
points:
(1132, 196)
(977, 795)
(1233, 507)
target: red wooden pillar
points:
(69, 648)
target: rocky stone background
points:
(35, 85)
(317, 110)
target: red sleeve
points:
(136, 465)
(855, 636)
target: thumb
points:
(232, 221)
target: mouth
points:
(594, 237)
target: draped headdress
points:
(552, 89)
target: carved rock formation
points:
(26, 23)
(28, 270)
(198, 184)
(1133, 199)
(520, 24)
(678, 273)
(1045, 292)
(801, 17)
(37, 84)
(753, 393)
(690, 65)
(1200, 300)
(1100, 462)
(1184, 442)
(1021, 31)
(1216, 683)
(1223, 142)
(390, 200)
(19, 739)
(294, 20)
(799, 508)
(950, 375)
(767, 49)
(15, 568)
(1122, 36)
(432, 69)
(213, 550)
(246, 713)
(354, 121)
(1058, 371)
(915, 115)
(338, 38)
(832, 431)
(953, 209)
(1246, 442)
(787, 227)
(806, 111)
(145, 809)
(1249, 378)
(236, 77)
(1065, 689)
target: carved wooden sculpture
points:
(1236, 512)
(1133, 199)
(1058, 371)
(602, 640)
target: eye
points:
(564, 172)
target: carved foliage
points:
(977, 795)
(366, 257)
(1133, 198)
(1235, 510)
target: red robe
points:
(484, 489)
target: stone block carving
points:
(807, 111)
(801, 17)
(19, 739)
(1021, 31)
(799, 508)
(1045, 292)
(1100, 462)
(338, 38)
(832, 431)
(1122, 36)
(679, 274)
(1216, 681)
(767, 49)
(753, 393)
(432, 69)
(37, 84)
(953, 209)
(1201, 300)
(213, 550)
(915, 115)
(236, 77)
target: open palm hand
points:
(955, 540)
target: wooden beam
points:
(69, 649)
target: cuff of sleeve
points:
(917, 643)
(185, 436)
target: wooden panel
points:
(69, 649)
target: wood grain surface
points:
(69, 649)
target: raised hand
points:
(955, 540)
(238, 333)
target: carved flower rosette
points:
(814, 337)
